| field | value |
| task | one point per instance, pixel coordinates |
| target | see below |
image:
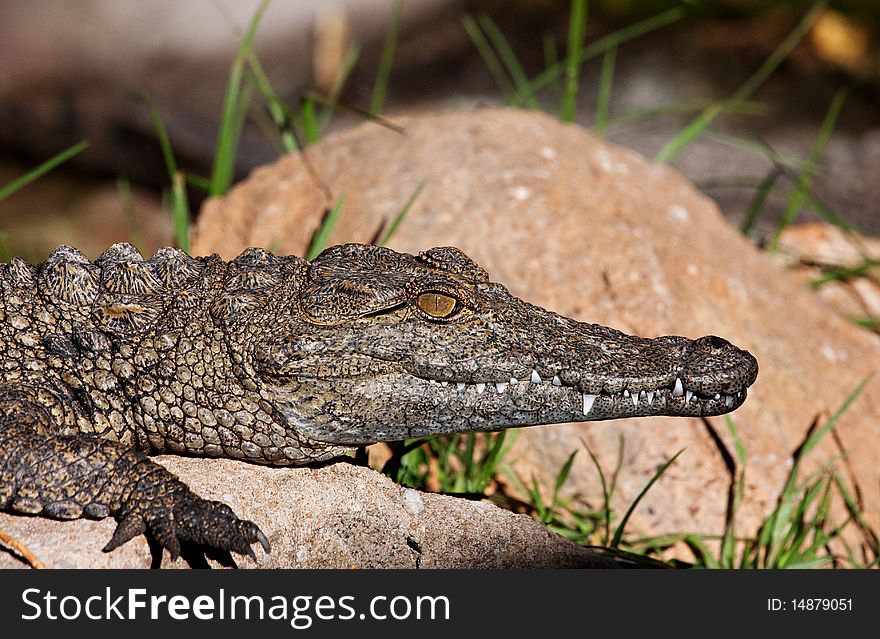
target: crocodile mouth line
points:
(674, 397)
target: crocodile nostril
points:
(715, 343)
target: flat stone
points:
(339, 516)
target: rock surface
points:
(813, 250)
(340, 516)
(596, 232)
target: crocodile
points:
(276, 360)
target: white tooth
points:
(500, 386)
(650, 397)
(678, 390)
(536, 379)
(625, 393)
(642, 394)
(557, 381)
(588, 402)
(444, 382)
(635, 399)
(728, 401)
(514, 380)
(717, 397)
(480, 388)
(459, 385)
(687, 396)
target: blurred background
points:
(793, 85)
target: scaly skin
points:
(278, 361)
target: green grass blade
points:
(562, 476)
(606, 78)
(814, 439)
(759, 146)
(551, 57)
(779, 524)
(199, 182)
(738, 446)
(514, 68)
(489, 58)
(380, 88)
(387, 235)
(618, 534)
(554, 72)
(747, 107)
(328, 106)
(855, 511)
(727, 557)
(233, 106)
(690, 133)
(606, 495)
(759, 200)
(319, 241)
(805, 179)
(822, 209)
(843, 274)
(180, 212)
(23, 180)
(702, 122)
(577, 23)
(497, 451)
(281, 114)
(541, 510)
(782, 162)
(309, 121)
(798, 529)
(164, 140)
(618, 466)
(445, 447)
(699, 548)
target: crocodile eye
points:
(437, 304)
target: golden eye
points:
(437, 304)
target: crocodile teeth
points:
(642, 395)
(514, 380)
(687, 396)
(536, 379)
(650, 397)
(635, 399)
(459, 385)
(717, 397)
(557, 381)
(500, 386)
(445, 383)
(625, 393)
(728, 401)
(480, 388)
(588, 402)
(678, 390)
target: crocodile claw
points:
(181, 515)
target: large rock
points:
(341, 516)
(595, 232)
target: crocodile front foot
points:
(173, 513)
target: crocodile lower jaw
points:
(675, 400)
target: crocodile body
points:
(278, 361)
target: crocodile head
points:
(383, 346)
